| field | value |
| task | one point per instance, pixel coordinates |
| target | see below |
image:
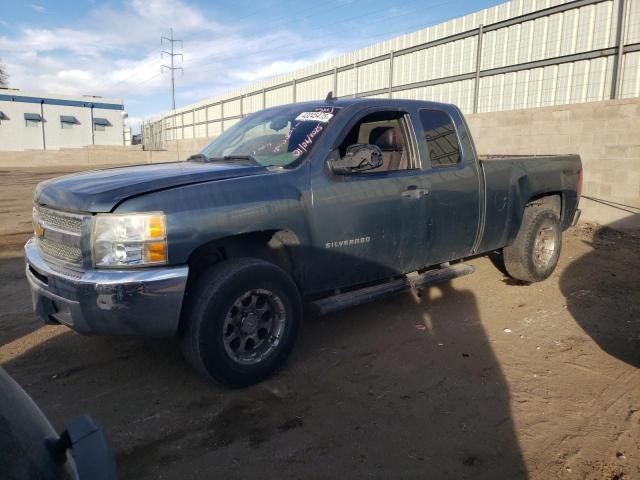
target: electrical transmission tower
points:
(171, 67)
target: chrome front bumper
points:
(144, 302)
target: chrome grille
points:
(66, 222)
(60, 251)
(58, 236)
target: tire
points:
(225, 335)
(534, 254)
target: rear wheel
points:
(242, 321)
(534, 254)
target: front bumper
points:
(144, 302)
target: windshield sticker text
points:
(304, 145)
(321, 117)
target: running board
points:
(376, 292)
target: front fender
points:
(201, 213)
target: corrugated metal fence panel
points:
(187, 118)
(201, 130)
(231, 109)
(252, 103)
(437, 62)
(214, 112)
(373, 76)
(633, 24)
(460, 93)
(215, 128)
(201, 115)
(315, 89)
(580, 30)
(346, 83)
(280, 96)
(577, 82)
(631, 77)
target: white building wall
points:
(78, 135)
(16, 134)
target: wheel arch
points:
(279, 246)
(553, 200)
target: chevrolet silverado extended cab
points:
(331, 203)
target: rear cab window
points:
(440, 136)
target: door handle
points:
(415, 192)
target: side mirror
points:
(359, 158)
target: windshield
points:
(274, 137)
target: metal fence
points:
(520, 54)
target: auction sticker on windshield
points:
(321, 117)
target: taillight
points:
(580, 176)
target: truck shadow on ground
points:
(593, 285)
(405, 386)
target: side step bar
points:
(368, 294)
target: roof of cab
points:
(371, 102)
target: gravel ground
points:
(479, 378)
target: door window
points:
(387, 131)
(440, 135)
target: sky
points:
(112, 48)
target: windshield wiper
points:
(247, 158)
(198, 157)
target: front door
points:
(370, 225)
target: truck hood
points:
(101, 190)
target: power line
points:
(342, 4)
(171, 68)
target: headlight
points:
(132, 240)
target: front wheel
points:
(534, 254)
(242, 321)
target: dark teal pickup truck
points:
(330, 203)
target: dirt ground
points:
(480, 378)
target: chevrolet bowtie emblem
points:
(38, 230)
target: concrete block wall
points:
(606, 135)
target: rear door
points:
(454, 184)
(369, 225)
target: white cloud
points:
(115, 52)
(278, 67)
(37, 8)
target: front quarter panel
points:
(200, 213)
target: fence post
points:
(206, 119)
(391, 74)
(476, 87)
(616, 81)
(355, 75)
(294, 90)
(335, 81)
(222, 115)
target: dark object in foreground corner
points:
(31, 449)
(335, 202)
